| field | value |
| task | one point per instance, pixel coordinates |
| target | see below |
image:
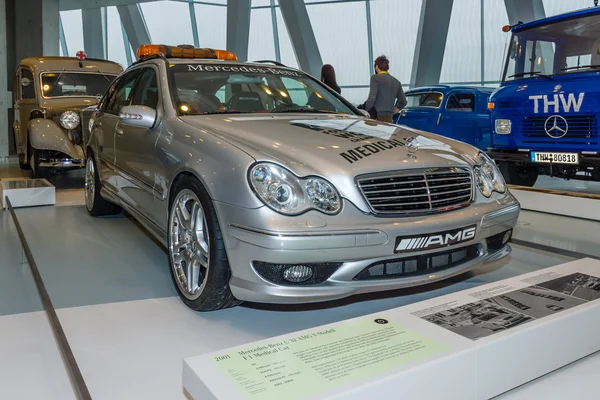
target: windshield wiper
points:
(534, 73)
(580, 66)
(105, 77)
(305, 110)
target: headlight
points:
(285, 193)
(69, 120)
(488, 176)
(503, 126)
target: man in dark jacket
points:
(386, 96)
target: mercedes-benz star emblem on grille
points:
(556, 126)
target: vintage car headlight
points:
(285, 193)
(488, 176)
(69, 120)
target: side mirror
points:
(140, 116)
(25, 82)
(365, 113)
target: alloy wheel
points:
(90, 183)
(189, 247)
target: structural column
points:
(302, 36)
(5, 100)
(238, 27)
(92, 33)
(431, 42)
(134, 24)
(524, 10)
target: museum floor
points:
(110, 285)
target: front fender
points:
(46, 135)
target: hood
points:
(330, 145)
(537, 96)
(61, 104)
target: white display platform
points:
(578, 205)
(474, 344)
(27, 192)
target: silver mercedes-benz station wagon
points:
(267, 186)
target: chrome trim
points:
(301, 234)
(63, 164)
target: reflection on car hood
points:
(329, 145)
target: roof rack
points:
(271, 62)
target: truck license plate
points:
(554, 158)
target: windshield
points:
(224, 88)
(57, 84)
(567, 46)
(428, 99)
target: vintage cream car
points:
(265, 185)
(48, 94)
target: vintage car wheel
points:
(94, 202)
(197, 255)
(517, 175)
(37, 172)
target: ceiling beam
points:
(66, 5)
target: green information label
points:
(301, 366)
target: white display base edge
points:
(569, 206)
(27, 196)
(471, 369)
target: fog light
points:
(506, 236)
(297, 273)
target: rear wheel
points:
(197, 256)
(518, 175)
(24, 166)
(95, 204)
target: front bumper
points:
(62, 163)
(352, 238)
(589, 159)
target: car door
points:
(135, 149)
(107, 119)
(422, 111)
(25, 102)
(459, 120)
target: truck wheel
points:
(518, 175)
(37, 172)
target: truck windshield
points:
(214, 88)
(58, 84)
(561, 47)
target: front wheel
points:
(95, 204)
(197, 256)
(518, 175)
(37, 172)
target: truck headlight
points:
(488, 176)
(503, 126)
(69, 120)
(288, 194)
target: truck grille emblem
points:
(556, 126)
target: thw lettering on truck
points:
(553, 102)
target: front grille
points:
(427, 190)
(419, 265)
(583, 129)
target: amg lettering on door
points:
(557, 103)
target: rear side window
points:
(146, 90)
(123, 93)
(27, 85)
(464, 102)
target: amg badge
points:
(434, 240)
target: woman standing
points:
(328, 77)
(386, 95)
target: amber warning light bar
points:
(147, 50)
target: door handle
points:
(119, 130)
(439, 119)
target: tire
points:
(197, 249)
(24, 166)
(519, 175)
(37, 172)
(94, 202)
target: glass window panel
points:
(554, 7)
(394, 26)
(260, 44)
(495, 41)
(348, 56)
(73, 26)
(168, 22)
(261, 3)
(212, 25)
(116, 45)
(355, 96)
(286, 51)
(462, 58)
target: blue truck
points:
(457, 112)
(544, 115)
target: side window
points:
(297, 91)
(146, 90)
(464, 102)
(123, 92)
(27, 84)
(105, 101)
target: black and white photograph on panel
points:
(578, 285)
(536, 301)
(477, 320)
